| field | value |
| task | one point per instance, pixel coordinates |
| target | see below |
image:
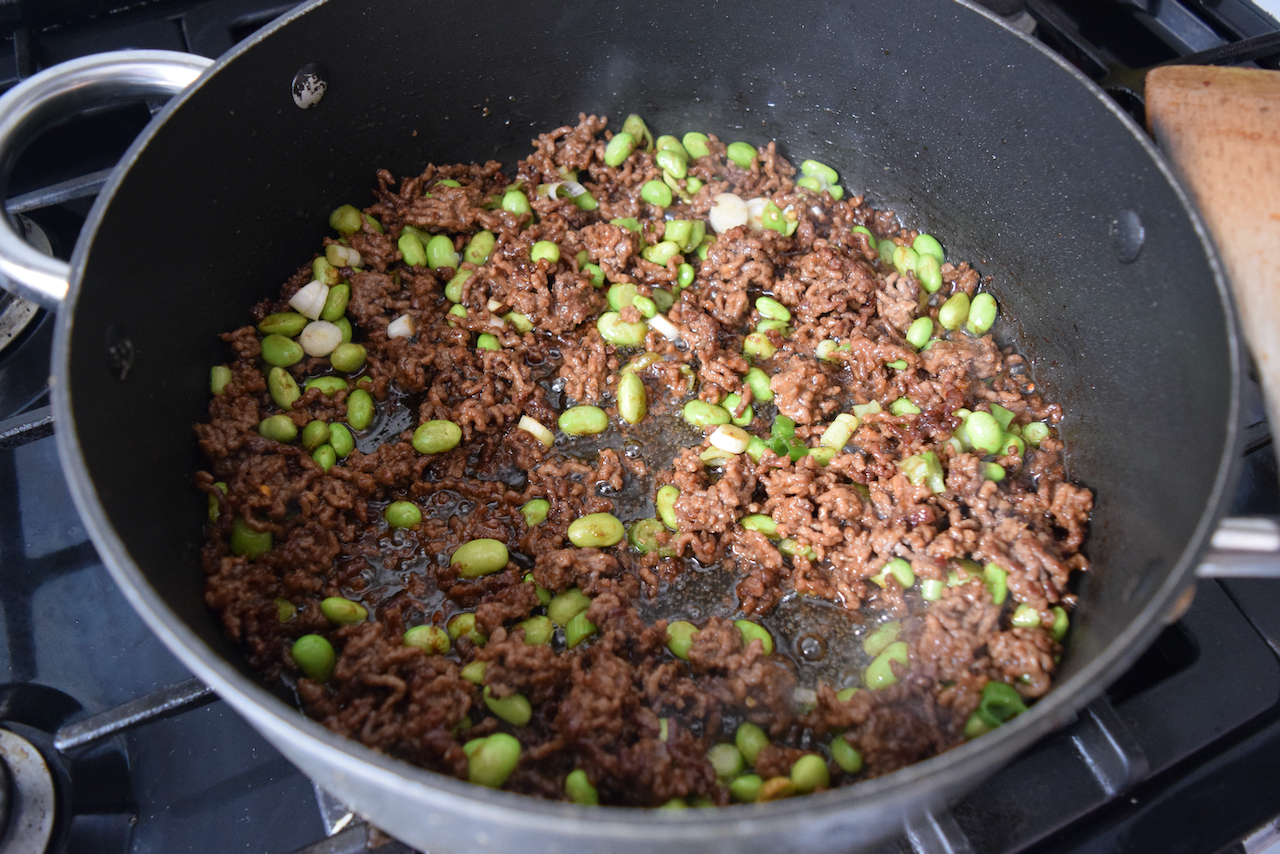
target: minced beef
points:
(991, 540)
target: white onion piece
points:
(730, 438)
(309, 300)
(494, 305)
(542, 434)
(664, 327)
(755, 213)
(346, 256)
(320, 338)
(401, 327)
(727, 211)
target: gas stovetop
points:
(110, 745)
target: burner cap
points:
(28, 811)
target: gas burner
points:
(27, 797)
(16, 314)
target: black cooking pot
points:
(931, 108)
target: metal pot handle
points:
(55, 93)
(1243, 547)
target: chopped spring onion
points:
(729, 438)
(309, 300)
(541, 433)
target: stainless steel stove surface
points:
(1181, 754)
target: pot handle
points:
(1243, 547)
(55, 93)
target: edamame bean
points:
(537, 630)
(685, 275)
(793, 548)
(983, 432)
(996, 579)
(483, 556)
(919, 332)
(583, 420)
(620, 295)
(726, 759)
(741, 153)
(335, 304)
(280, 351)
(453, 290)
(696, 144)
(436, 437)
(771, 308)
(543, 594)
(810, 773)
(324, 272)
(901, 571)
(246, 542)
(994, 472)
(432, 640)
(479, 247)
(494, 760)
(279, 428)
(344, 612)
(665, 502)
(927, 244)
(754, 631)
(474, 672)
(521, 323)
(594, 274)
(440, 252)
(905, 260)
(982, 314)
(464, 626)
(344, 328)
(675, 804)
(285, 610)
(514, 709)
(619, 149)
(632, 398)
(929, 273)
(879, 639)
(348, 358)
(618, 332)
(700, 414)
(758, 346)
(485, 341)
(746, 788)
(758, 381)
(761, 524)
(287, 323)
(516, 202)
(219, 376)
(315, 434)
(1061, 622)
(340, 440)
(402, 514)
(931, 589)
(1025, 616)
(672, 161)
(359, 409)
(535, 511)
(345, 219)
(545, 250)
(661, 253)
(578, 629)
(1035, 432)
(315, 657)
(954, 311)
(596, 530)
(879, 673)
(645, 305)
(886, 248)
(567, 605)
(328, 385)
(284, 389)
(411, 249)
(680, 638)
(846, 755)
(580, 790)
(644, 537)
(750, 739)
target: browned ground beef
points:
(636, 718)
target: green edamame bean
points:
(485, 341)
(630, 223)
(761, 524)
(758, 346)
(344, 612)
(726, 759)
(750, 739)
(284, 389)
(325, 457)
(665, 502)
(685, 275)
(674, 162)
(955, 311)
(479, 557)
(440, 252)
(758, 380)
(771, 308)
(345, 219)
(335, 304)
(359, 409)
(886, 248)
(348, 358)
(324, 272)
(516, 202)
(700, 414)
(826, 349)
(632, 398)
(929, 273)
(494, 760)
(931, 589)
(596, 530)
(280, 351)
(927, 244)
(779, 326)
(680, 638)
(810, 773)
(901, 571)
(741, 153)
(879, 673)
(643, 537)
(436, 437)
(219, 376)
(661, 253)
(453, 290)
(544, 250)
(287, 323)
(731, 403)
(279, 428)
(514, 709)
(246, 542)
(879, 639)
(537, 630)
(619, 149)
(315, 657)
(821, 171)
(464, 625)
(792, 548)
(521, 322)
(285, 610)
(983, 432)
(746, 789)
(578, 629)
(994, 472)
(402, 514)
(1035, 433)
(594, 274)
(696, 144)
(982, 314)
(479, 247)
(904, 260)
(583, 420)
(620, 295)
(645, 305)
(340, 440)
(1061, 622)
(563, 607)
(315, 434)
(543, 594)
(411, 249)
(919, 332)
(846, 755)
(329, 385)
(432, 640)
(618, 332)
(474, 672)
(344, 326)
(535, 511)
(1025, 616)
(580, 790)
(754, 631)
